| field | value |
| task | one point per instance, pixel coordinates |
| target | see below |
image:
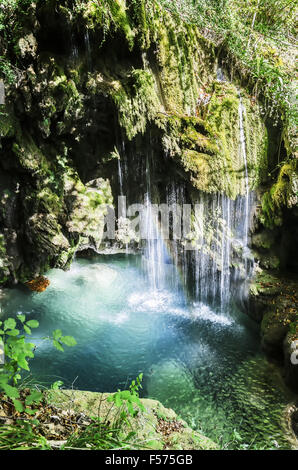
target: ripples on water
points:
(204, 364)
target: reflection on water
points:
(203, 363)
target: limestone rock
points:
(145, 424)
(28, 45)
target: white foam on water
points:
(154, 301)
(120, 318)
(203, 312)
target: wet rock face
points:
(294, 422)
(274, 247)
(290, 348)
(93, 80)
(274, 303)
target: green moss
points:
(136, 101)
(168, 94)
(207, 145)
(271, 215)
(29, 155)
(284, 193)
(2, 245)
(4, 261)
(178, 65)
(48, 200)
(198, 164)
(222, 120)
(256, 136)
(265, 284)
(111, 15)
(180, 53)
(286, 187)
(7, 123)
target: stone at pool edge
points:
(39, 284)
(145, 423)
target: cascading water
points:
(120, 176)
(88, 50)
(155, 248)
(155, 251)
(217, 237)
(74, 51)
(216, 246)
(120, 154)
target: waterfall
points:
(120, 176)
(211, 262)
(211, 258)
(155, 249)
(74, 51)
(88, 50)
(155, 252)
(225, 253)
(220, 75)
(217, 248)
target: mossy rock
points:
(265, 284)
(282, 194)
(207, 144)
(29, 156)
(145, 424)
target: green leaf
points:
(130, 408)
(22, 318)
(58, 345)
(34, 397)
(57, 334)
(68, 340)
(134, 399)
(118, 400)
(56, 385)
(27, 349)
(11, 392)
(125, 395)
(30, 412)
(27, 329)
(9, 324)
(18, 405)
(32, 323)
(13, 332)
(23, 363)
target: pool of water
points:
(203, 363)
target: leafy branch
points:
(18, 351)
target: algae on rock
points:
(144, 424)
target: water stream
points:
(203, 362)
